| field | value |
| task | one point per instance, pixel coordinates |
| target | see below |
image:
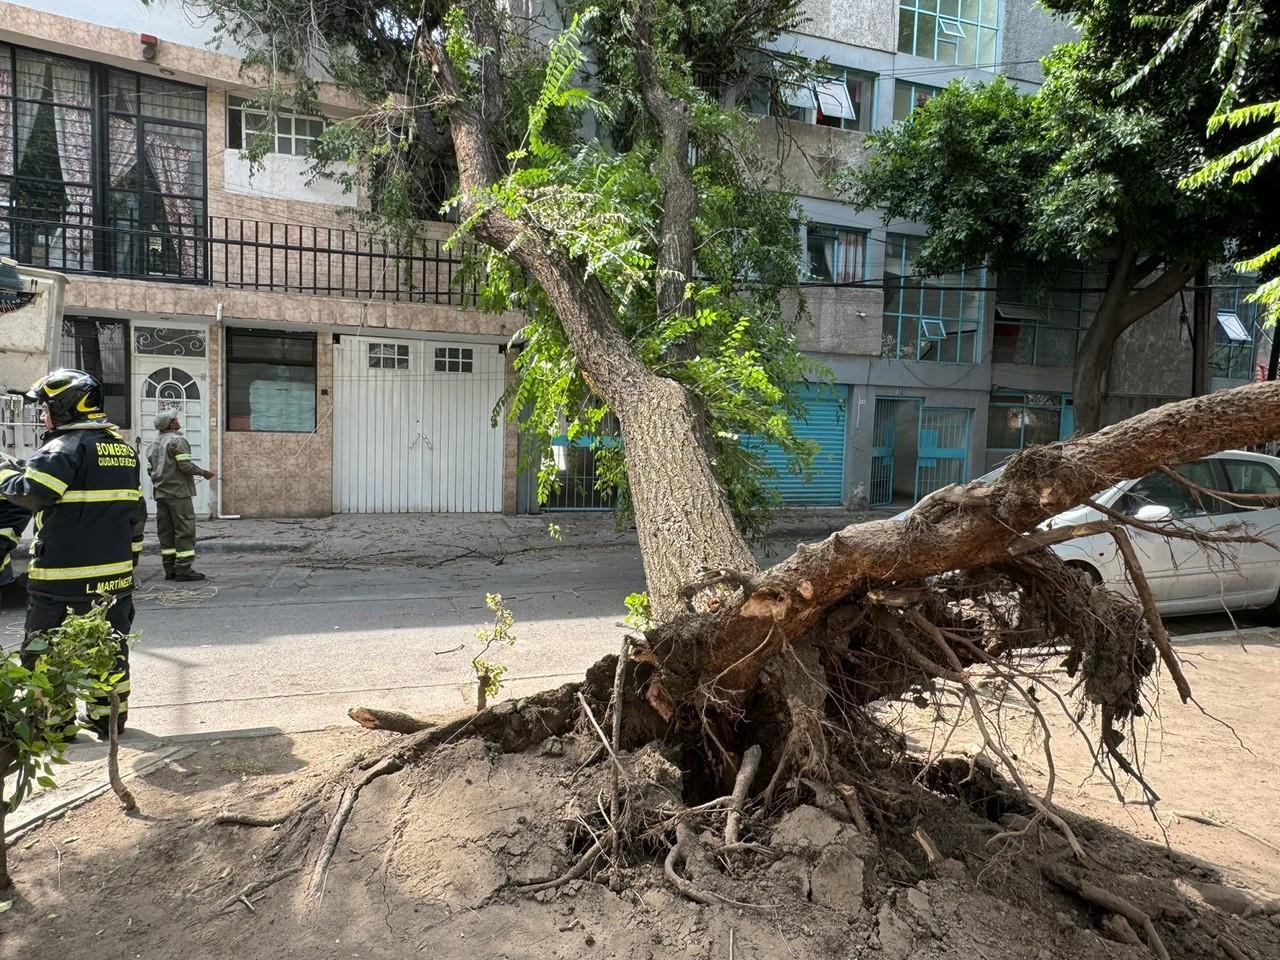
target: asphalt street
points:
(280, 643)
(265, 646)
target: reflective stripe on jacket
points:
(172, 470)
(83, 484)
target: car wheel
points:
(1091, 572)
(1271, 612)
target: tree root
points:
(315, 885)
(675, 856)
(1108, 901)
(245, 896)
(228, 818)
(577, 871)
(113, 757)
(746, 774)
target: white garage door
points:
(411, 430)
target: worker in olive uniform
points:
(83, 486)
(173, 474)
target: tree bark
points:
(1123, 304)
(682, 516)
(955, 529)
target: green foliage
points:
(731, 348)
(38, 698)
(639, 615)
(1067, 174)
(1246, 60)
(489, 673)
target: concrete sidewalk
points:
(421, 539)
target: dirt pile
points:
(433, 858)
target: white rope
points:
(175, 596)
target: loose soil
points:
(429, 864)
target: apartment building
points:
(936, 385)
(318, 369)
(314, 367)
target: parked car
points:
(1185, 576)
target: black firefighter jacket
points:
(83, 486)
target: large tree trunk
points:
(682, 516)
(1128, 298)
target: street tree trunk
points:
(1130, 296)
(683, 519)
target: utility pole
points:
(1201, 343)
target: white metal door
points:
(411, 430)
(171, 373)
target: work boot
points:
(170, 575)
(189, 576)
(101, 727)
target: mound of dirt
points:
(434, 856)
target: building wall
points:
(1028, 33)
(284, 474)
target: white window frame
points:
(242, 106)
(388, 356)
(454, 360)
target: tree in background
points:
(1243, 35)
(1085, 169)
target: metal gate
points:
(823, 423)
(943, 456)
(884, 431)
(411, 426)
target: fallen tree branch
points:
(1158, 632)
(1222, 824)
(394, 721)
(746, 774)
(1173, 530)
(1108, 901)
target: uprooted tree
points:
(746, 670)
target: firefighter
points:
(173, 474)
(83, 485)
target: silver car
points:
(1186, 576)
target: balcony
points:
(242, 255)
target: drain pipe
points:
(222, 433)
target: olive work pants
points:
(176, 524)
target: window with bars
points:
(908, 97)
(938, 319)
(959, 32)
(290, 133)
(834, 254)
(453, 359)
(100, 347)
(1235, 334)
(388, 356)
(1016, 421)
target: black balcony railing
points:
(243, 255)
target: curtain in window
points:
(122, 152)
(74, 131)
(171, 163)
(852, 256)
(31, 86)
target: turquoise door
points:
(944, 448)
(824, 423)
